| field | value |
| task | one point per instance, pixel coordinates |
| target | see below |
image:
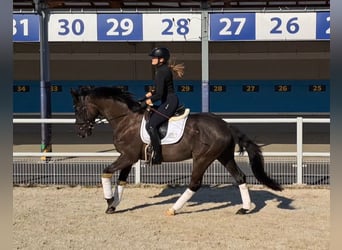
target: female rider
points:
(163, 92)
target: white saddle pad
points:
(174, 132)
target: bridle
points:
(89, 124)
(86, 124)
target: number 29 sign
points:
(119, 27)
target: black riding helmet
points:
(160, 53)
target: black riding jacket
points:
(163, 83)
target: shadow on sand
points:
(225, 196)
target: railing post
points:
(299, 150)
(205, 56)
(137, 168)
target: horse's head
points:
(85, 111)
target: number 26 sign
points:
(285, 26)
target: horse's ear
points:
(74, 94)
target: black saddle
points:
(180, 110)
(162, 130)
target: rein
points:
(111, 119)
(159, 113)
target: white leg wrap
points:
(246, 199)
(117, 195)
(183, 199)
(107, 188)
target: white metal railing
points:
(299, 154)
(116, 154)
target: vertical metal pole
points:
(45, 86)
(205, 56)
(299, 150)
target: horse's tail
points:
(255, 157)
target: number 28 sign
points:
(172, 27)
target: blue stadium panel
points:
(224, 96)
(62, 101)
(189, 92)
(26, 97)
(269, 96)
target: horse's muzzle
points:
(84, 130)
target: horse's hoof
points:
(170, 212)
(242, 211)
(110, 210)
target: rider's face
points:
(156, 60)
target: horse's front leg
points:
(114, 198)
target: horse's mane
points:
(112, 92)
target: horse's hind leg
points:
(199, 168)
(230, 164)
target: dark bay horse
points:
(206, 138)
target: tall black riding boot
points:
(155, 141)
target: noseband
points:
(86, 124)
